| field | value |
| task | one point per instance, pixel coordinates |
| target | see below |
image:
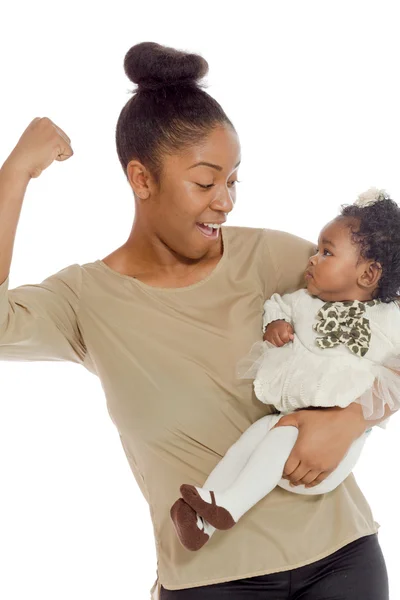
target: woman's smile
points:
(209, 230)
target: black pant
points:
(355, 572)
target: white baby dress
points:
(303, 373)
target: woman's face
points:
(196, 189)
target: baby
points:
(331, 344)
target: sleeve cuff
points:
(274, 315)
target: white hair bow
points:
(371, 196)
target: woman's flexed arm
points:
(37, 322)
(41, 143)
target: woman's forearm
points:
(41, 143)
(13, 184)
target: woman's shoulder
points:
(239, 234)
(82, 277)
(279, 257)
(279, 241)
(274, 239)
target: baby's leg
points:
(337, 476)
(261, 473)
(229, 467)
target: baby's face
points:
(334, 270)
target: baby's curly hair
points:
(378, 235)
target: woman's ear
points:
(139, 178)
(370, 275)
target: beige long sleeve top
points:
(166, 359)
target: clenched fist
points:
(279, 333)
(41, 143)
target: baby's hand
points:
(279, 333)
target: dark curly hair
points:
(378, 234)
(168, 111)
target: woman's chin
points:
(203, 245)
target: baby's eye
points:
(327, 253)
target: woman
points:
(163, 321)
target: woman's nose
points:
(224, 202)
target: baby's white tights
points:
(254, 465)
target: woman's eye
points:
(233, 183)
(205, 187)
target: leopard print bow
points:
(345, 323)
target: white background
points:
(312, 88)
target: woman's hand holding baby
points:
(325, 435)
(279, 333)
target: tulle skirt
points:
(292, 377)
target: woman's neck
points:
(149, 260)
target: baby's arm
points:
(277, 319)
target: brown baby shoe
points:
(184, 519)
(217, 516)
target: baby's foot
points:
(186, 523)
(218, 516)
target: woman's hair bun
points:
(152, 66)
